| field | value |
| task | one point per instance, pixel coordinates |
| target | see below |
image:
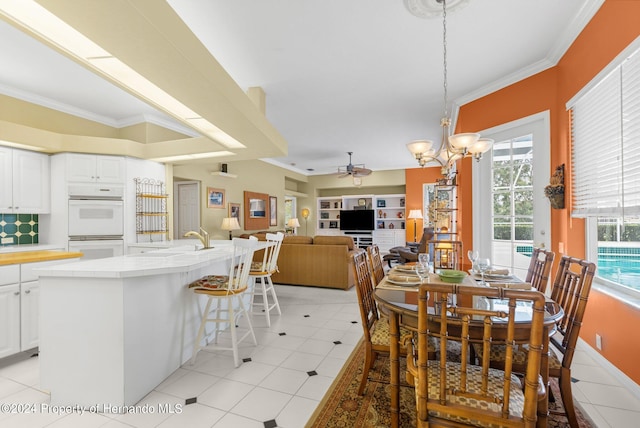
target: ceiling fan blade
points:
(360, 171)
(343, 175)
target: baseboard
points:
(625, 380)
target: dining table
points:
(399, 301)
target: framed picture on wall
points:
(273, 211)
(234, 211)
(215, 198)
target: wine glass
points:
(483, 264)
(473, 256)
(422, 266)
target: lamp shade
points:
(420, 148)
(293, 222)
(463, 141)
(230, 223)
(305, 213)
(481, 146)
(415, 214)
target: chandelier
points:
(452, 147)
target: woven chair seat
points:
(474, 382)
(380, 333)
(216, 285)
(499, 353)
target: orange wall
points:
(610, 31)
(415, 178)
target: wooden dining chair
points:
(571, 289)
(376, 329)
(458, 393)
(540, 268)
(375, 261)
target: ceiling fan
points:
(357, 170)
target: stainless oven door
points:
(89, 217)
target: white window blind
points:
(606, 145)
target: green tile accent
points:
(23, 228)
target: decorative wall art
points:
(273, 211)
(215, 198)
(255, 212)
(234, 211)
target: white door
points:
(510, 214)
(187, 209)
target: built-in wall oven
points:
(96, 220)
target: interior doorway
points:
(186, 207)
(510, 213)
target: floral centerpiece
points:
(555, 190)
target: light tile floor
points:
(290, 371)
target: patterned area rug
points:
(343, 407)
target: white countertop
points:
(170, 260)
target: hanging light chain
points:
(444, 44)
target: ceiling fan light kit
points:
(452, 147)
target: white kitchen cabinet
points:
(25, 182)
(386, 239)
(29, 314)
(95, 168)
(20, 306)
(9, 310)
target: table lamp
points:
(415, 214)
(293, 223)
(230, 223)
(305, 215)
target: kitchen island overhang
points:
(113, 329)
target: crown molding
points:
(573, 29)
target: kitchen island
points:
(113, 329)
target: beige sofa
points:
(321, 261)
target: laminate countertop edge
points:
(36, 256)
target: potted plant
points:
(555, 190)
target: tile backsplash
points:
(23, 228)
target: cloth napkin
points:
(497, 272)
(402, 278)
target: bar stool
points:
(226, 291)
(262, 271)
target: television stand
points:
(361, 238)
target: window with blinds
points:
(606, 144)
(606, 170)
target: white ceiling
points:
(339, 75)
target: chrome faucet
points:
(203, 236)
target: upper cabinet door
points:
(6, 177)
(81, 168)
(95, 169)
(110, 169)
(31, 182)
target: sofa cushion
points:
(334, 240)
(293, 239)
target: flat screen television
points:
(357, 220)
